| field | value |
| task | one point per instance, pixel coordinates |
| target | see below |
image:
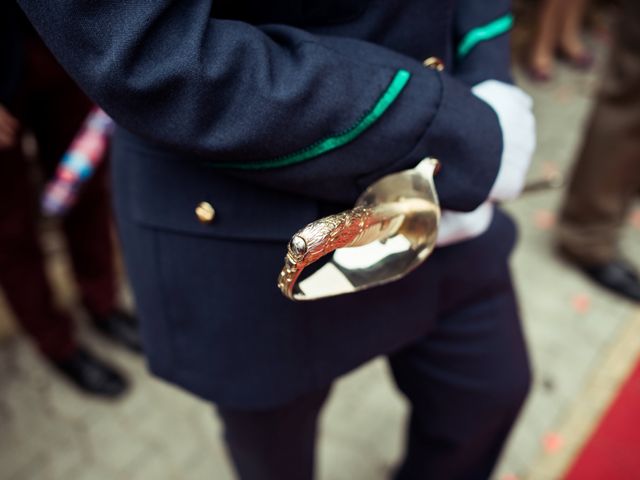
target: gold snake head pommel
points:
(297, 248)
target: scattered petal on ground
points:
(634, 220)
(550, 169)
(552, 442)
(544, 219)
(509, 476)
(581, 302)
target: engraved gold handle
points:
(391, 230)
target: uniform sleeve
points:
(483, 41)
(316, 115)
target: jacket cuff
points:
(465, 136)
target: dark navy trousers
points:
(465, 381)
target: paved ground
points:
(581, 339)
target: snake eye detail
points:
(298, 247)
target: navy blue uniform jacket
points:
(277, 112)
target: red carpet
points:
(613, 451)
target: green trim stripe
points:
(325, 145)
(483, 33)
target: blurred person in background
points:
(36, 94)
(558, 34)
(240, 122)
(606, 176)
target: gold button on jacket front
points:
(434, 63)
(205, 212)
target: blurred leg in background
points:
(49, 104)
(571, 45)
(22, 273)
(545, 39)
(606, 177)
(558, 33)
(87, 225)
(26, 286)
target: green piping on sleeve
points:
(325, 145)
(483, 33)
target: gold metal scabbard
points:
(391, 230)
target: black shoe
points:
(618, 276)
(120, 327)
(92, 375)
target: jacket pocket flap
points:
(167, 187)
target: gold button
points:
(434, 63)
(205, 212)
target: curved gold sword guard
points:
(391, 231)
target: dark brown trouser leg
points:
(607, 173)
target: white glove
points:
(459, 226)
(518, 125)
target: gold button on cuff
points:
(434, 63)
(205, 212)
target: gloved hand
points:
(514, 110)
(459, 226)
(518, 125)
